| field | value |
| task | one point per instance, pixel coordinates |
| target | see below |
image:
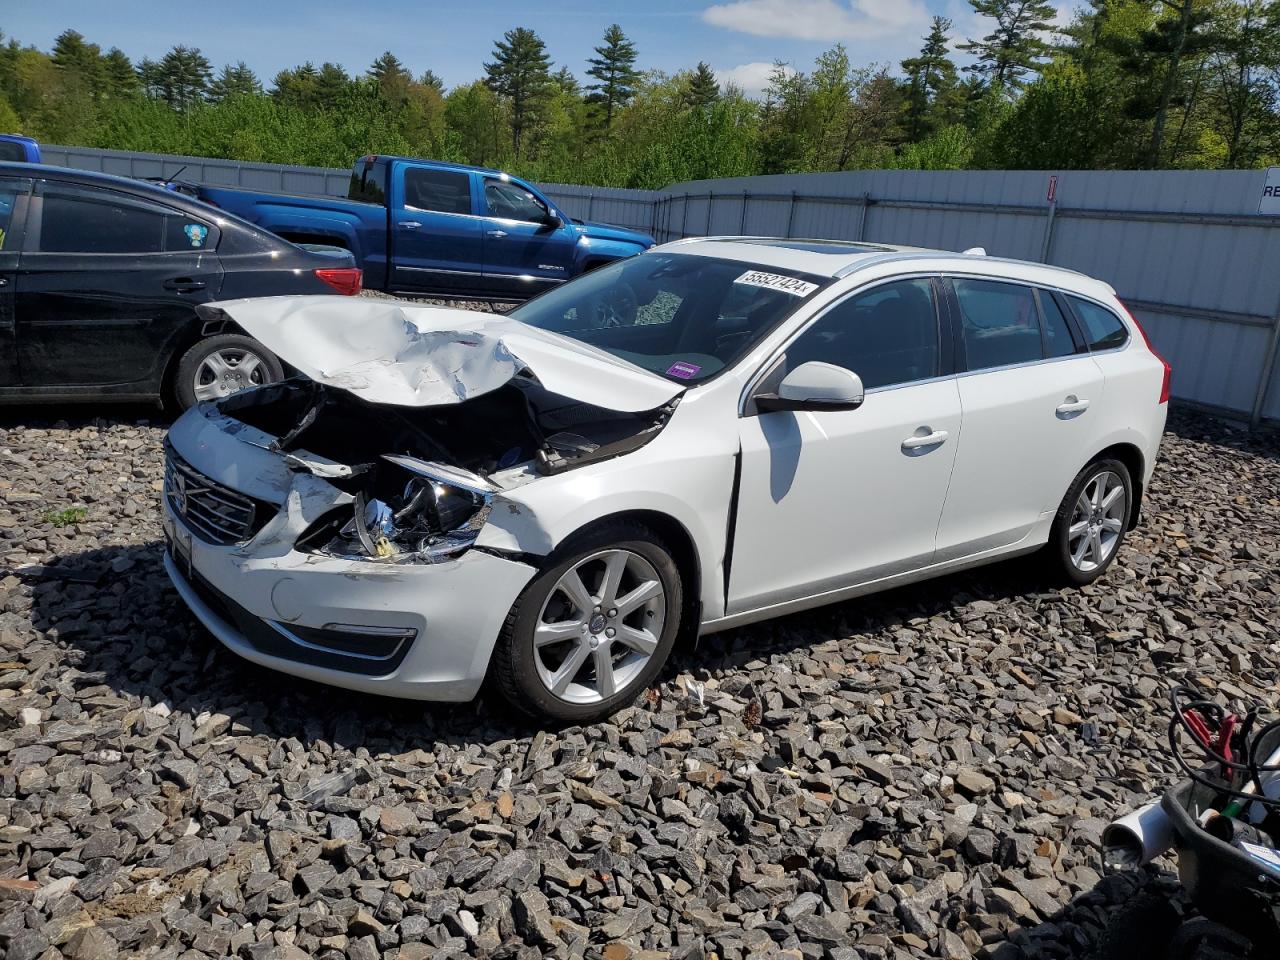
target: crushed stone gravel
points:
(923, 773)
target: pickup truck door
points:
(106, 289)
(435, 235)
(13, 203)
(525, 252)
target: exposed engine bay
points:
(419, 478)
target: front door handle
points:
(409, 224)
(496, 234)
(184, 284)
(918, 441)
(1071, 406)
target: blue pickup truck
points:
(19, 149)
(439, 229)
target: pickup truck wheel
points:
(593, 629)
(220, 366)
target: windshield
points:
(682, 316)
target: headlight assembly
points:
(414, 511)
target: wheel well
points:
(673, 533)
(198, 331)
(1132, 458)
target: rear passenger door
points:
(107, 285)
(436, 237)
(1029, 396)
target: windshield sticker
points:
(776, 281)
(683, 370)
(196, 232)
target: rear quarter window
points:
(1103, 330)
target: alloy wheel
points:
(1097, 521)
(599, 626)
(227, 371)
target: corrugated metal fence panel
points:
(626, 208)
(1205, 288)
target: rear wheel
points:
(222, 365)
(594, 628)
(1091, 522)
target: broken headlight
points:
(414, 511)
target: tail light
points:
(346, 280)
(1168, 369)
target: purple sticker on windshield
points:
(683, 370)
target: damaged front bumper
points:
(420, 631)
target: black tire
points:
(1058, 552)
(514, 671)
(269, 369)
(1141, 930)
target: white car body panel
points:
(782, 510)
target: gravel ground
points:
(919, 774)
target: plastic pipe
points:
(1136, 838)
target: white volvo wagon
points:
(711, 433)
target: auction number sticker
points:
(776, 281)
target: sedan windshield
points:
(682, 316)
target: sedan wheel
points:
(599, 627)
(228, 371)
(593, 627)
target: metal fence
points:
(1187, 250)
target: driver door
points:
(835, 498)
(524, 253)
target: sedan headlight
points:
(414, 511)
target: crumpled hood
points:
(607, 231)
(385, 351)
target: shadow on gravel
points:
(126, 628)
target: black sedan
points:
(100, 277)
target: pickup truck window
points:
(512, 202)
(76, 221)
(439, 191)
(12, 151)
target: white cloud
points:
(825, 20)
(750, 78)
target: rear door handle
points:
(918, 442)
(410, 224)
(496, 234)
(1071, 406)
(184, 284)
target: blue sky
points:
(739, 38)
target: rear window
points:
(1103, 330)
(83, 222)
(12, 151)
(439, 191)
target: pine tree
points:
(184, 77)
(520, 73)
(393, 77)
(234, 81)
(930, 78)
(296, 87)
(701, 89)
(118, 77)
(614, 68)
(564, 80)
(149, 77)
(79, 61)
(432, 81)
(1016, 46)
(331, 83)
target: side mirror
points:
(815, 386)
(553, 220)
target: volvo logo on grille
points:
(178, 492)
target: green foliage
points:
(65, 517)
(1178, 83)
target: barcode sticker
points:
(776, 281)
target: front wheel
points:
(593, 628)
(1091, 522)
(219, 366)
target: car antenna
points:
(174, 176)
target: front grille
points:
(214, 513)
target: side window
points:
(438, 191)
(10, 190)
(84, 222)
(512, 202)
(1103, 330)
(888, 335)
(1058, 341)
(999, 322)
